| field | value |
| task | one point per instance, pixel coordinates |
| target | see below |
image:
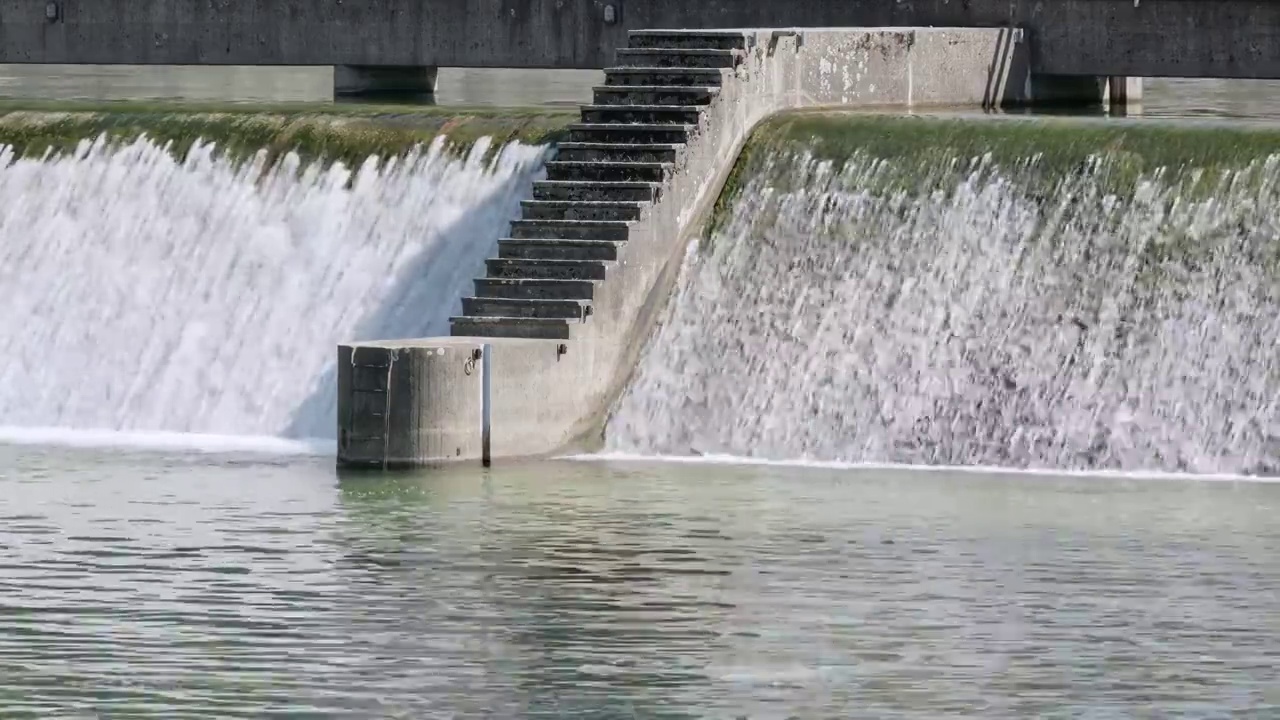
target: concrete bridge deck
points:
(1144, 38)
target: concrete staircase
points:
(603, 180)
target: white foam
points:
(163, 441)
(149, 294)
(976, 314)
(932, 469)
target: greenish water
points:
(196, 586)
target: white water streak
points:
(978, 320)
(144, 293)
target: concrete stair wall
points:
(604, 178)
(550, 337)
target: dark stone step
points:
(642, 114)
(617, 152)
(546, 269)
(571, 229)
(608, 171)
(511, 327)
(655, 95)
(563, 210)
(526, 308)
(558, 249)
(535, 289)
(724, 40)
(669, 76)
(591, 191)
(632, 134)
(682, 57)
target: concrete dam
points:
(542, 357)
(704, 261)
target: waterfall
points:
(976, 313)
(143, 292)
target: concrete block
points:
(513, 327)
(558, 249)
(547, 269)
(655, 94)
(409, 403)
(631, 133)
(565, 210)
(590, 191)
(607, 171)
(677, 57)
(618, 152)
(690, 77)
(570, 229)
(655, 114)
(544, 289)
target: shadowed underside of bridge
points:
(1151, 38)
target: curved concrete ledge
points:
(552, 396)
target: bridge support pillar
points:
(1124, 95)
(1121, 95)
(360, 79)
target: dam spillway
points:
(922, 302)
(180, 334)
(148, 291)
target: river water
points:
(141, 585)
(171, 583)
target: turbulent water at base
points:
(147, 293)
(976, 316)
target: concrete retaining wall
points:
(550, 396)
(1191, 38)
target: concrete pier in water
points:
(549, 338)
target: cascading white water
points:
(975, 320)
(146, 293)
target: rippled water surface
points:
(144, 585)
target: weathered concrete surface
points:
(409, 403)
(1177, 38)
(1124, 95)
(549, 396)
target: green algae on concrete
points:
(347, 133)
(927, 152)
(1060, 142)
(1066, 162)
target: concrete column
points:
(412, 403)
(1124, 95)
(360, 79)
